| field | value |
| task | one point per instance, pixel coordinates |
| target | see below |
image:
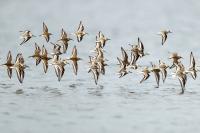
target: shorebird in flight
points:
(175, 59)
(9, 64)
(137, 51)
(102, 39)
(56, 49)
(45, 59)
(74, 58)
(146, 74)
(164, 34)
(59, 65)
(26, 35)
(192, 68)
(19, 66)
(80, 33)
(46, 33)
(163, 69)
(181, 74)
(65, 40)
(156, 71)
(36, 54)
(93, 68)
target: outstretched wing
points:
(45, 29)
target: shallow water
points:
(76, 104)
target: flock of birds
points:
(97, 62)
(137, 52)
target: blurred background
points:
(76, 104)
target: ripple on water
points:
(6, 86)
(28, 117)
(118, 116)
(6, 113)
(75, 85)
(96, 91)
(19, 91)
(86, 117)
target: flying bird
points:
(164, 35)
(26, 36)
(192, 68)
(9, 64)
(74, 58)
(65, 40)
(36, 54)
(45, 59)
(80, 33)
(46, 33)
(102, 39)
(163, 69)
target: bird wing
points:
(37, 49)
(79, 38)
(101, 34)
(25, 39)
(9, 57)
(62, 70)
(157, 76)
(44, 51)
(37, 60)
(75, 66)
(47, 37)
(164, 74)
(95, 75)
(145, 77)
(45, 65)
(164, 37)
(20, 74)
(141, 46)
(124, 55)
(58, 72)
(65, 46)
(182, 82)
(45, 29)
(193, 74)
(74, 52)
(192, 60)
(80, 27)
(9, 72)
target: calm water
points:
(76, 104)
